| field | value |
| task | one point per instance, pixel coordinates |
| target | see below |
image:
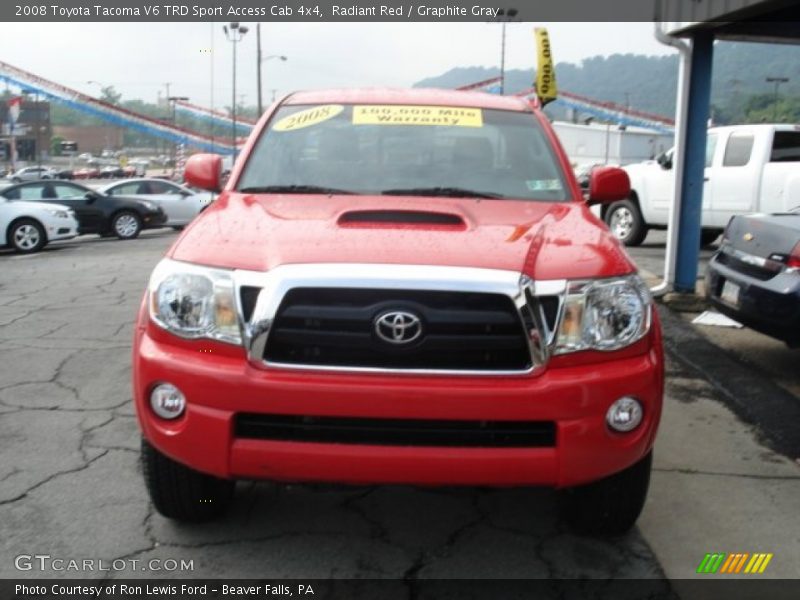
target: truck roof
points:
(421, 96)
(759, 126)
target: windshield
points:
(404, 149)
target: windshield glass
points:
(404, 149)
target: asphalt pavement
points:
(71, 486)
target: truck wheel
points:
(609, 506)
(708, 237)
(625, 221)
(181, 493)
(27, 236)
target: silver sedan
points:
(181, 203)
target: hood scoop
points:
(402, 219)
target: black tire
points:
(126, 225)
(709, 236)
(26, 236)
(610, 506)
(625, 221)
(181, 493)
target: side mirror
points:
(91, 197)
(665, 161)
(204, 171)
(608, 184)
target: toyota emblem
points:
(398, 327)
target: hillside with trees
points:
(740, 92)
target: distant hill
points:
(649, 83)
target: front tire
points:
(181, 493)
(610, 506)
(126, 225)
(27, 236)
(625, 221)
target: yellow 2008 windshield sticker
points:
(393, 114)
(308, 117)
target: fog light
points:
(167, 401)
(625, 414)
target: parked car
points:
(86, 173)
(96, 212)
(749, 168)
(373, 302)
(179, 202)
(28, 226)
(65, 174)
(111, 172)
(754, 277)
(32, 174)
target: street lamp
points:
(259, 60)
(234, 34)
(504, 16)
(777, 81)
(171, 100)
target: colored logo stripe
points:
(711, 563)
(734, 563)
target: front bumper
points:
(154, 219)
(219, 383)
(61, 229)
(770, 306)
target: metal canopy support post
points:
(688, 247)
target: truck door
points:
(733, 179)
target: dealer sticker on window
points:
(544, 185)
(376, 114)
(308, 117)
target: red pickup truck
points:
(401, 287)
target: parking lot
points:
(72, 487)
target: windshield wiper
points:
(293, 189)
(448, 192)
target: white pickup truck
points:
(749, 168)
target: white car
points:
(181, 203)
(28, 226)
(32, 174)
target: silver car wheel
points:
(126, 225)
(621, 223)
(26, 237)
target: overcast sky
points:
(138, 58)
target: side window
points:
(711, 146)
(65, 192)
(32, 192)
(738, 150)
(785, 147)
(12, 194)
(162, 187)
(125, 189)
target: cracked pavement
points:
(71, 486)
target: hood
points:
(544, 240)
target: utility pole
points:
(777, 81)
(504, 16)
(234, 35)
(258, 68)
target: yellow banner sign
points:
(308, 117)
(545, 72)
(393, 114)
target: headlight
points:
(604, 314)
(194, 302)
(58, 214)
